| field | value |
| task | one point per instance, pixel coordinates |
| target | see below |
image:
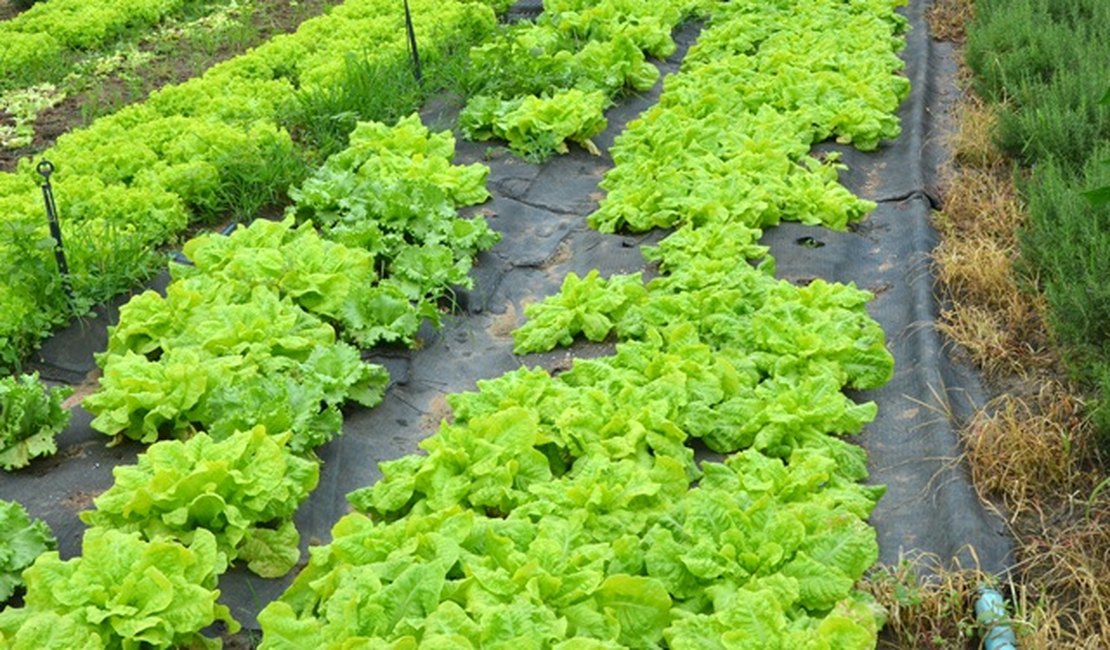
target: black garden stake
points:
(412, 44)
(45, 169)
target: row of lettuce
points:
(202, 150)
(568, 511)
(559, 511)
(40, 41)
(219, 146)
(245, 342)
(244, 363)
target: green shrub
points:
(1045, 62)
(1066, 246)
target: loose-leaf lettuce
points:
(567, 511)
(22, 540)
(122, 592)
(543, 84)
(30, 416)
(392, 197)
(220, 360)
(537, 127)
(244, 490)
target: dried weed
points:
(1030, 451)
(947, 19)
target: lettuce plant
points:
(393, 195)
(30, 416)
(205, 357)
(542, 85)
(22, 540)
(122, 592)
(244, 490)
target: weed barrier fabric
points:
(930, 506)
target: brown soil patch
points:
(438, 411)
(504, 324)
(78, 451)
(87, 387)
(562, 254)
(79, 501)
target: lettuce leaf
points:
(22, 540)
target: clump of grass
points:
(972, 143)
(1020, 449)
(987, 311)
(928, 605)
(324, 117)
(1065, 567)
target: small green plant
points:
(24, 106)
(30, 416)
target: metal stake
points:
(45, 169)
(412, 44)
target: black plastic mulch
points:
(930, 506)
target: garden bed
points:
(540, 211)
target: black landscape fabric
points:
(930, 506)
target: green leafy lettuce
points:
(243, 489)
(122, 592)
(542, 84)
(611, 554)
(568, 511)
(536, 127)
(393, 195)
(22, 540)
(30, 416)
(220, 361)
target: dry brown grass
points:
(999, 325)
(972, 144)
(926, 613)
(947, 19)
(1030, 452)
(1064, 568)
(1021, 449)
